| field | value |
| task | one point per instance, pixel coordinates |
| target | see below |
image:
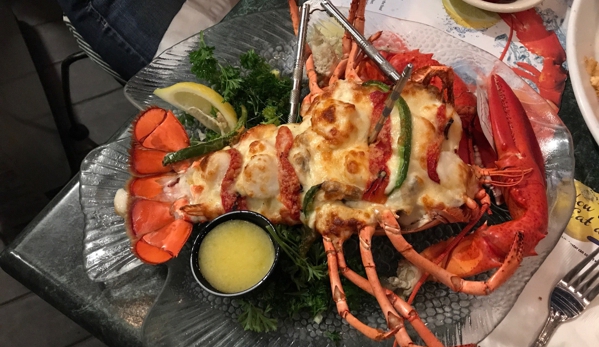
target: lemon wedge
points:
(203, 103)
(470, 16)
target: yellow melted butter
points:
(235, 255)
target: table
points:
(47, 256)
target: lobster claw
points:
(512, 130)
(520, 174)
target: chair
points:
(76, 130)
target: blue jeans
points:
(125, 33)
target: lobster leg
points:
(385, 298)
(358, 20)
(312, 78)
(392, 318)
(404, 309)
(295, 16)
(339, 71)
(453, 281)
(350, 68)
(347, 39)
(339, 297)
(356, 17)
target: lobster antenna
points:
(507, 173)
(368, 48)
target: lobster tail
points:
(155, 133)
(156, 234)
(159, 129)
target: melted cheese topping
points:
(259, 176)
(330, 146)
(419, 198)
(334, 146)
(345, 159)
(203, 180)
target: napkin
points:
(193, 17)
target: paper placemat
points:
(525, 320)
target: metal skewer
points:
(369, 49)
(390, 102)
(298, 67)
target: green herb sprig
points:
(254, 318)
(252, 83)
(307, 271)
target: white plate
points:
(582, 41)
(516, 6)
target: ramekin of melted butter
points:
(233, 255)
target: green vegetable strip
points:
(308, 205)
(206, 147)
(374, 83)
(404, 141)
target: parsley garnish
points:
(256, 319)
(253, 83)
(333, 336)
(300, 282)
(302, 270)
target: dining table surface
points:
(47, 257)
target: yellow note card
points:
(584, 223)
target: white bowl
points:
(581, 42)
(516, 6)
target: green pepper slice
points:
(308, 203)
(209, 146)
(404, 141)
(374, 83)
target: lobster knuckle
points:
(412, 315)
(365, 244)
(394, 322)
(457, 283)
(338, 295)
(391, 229)
(381, 335)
